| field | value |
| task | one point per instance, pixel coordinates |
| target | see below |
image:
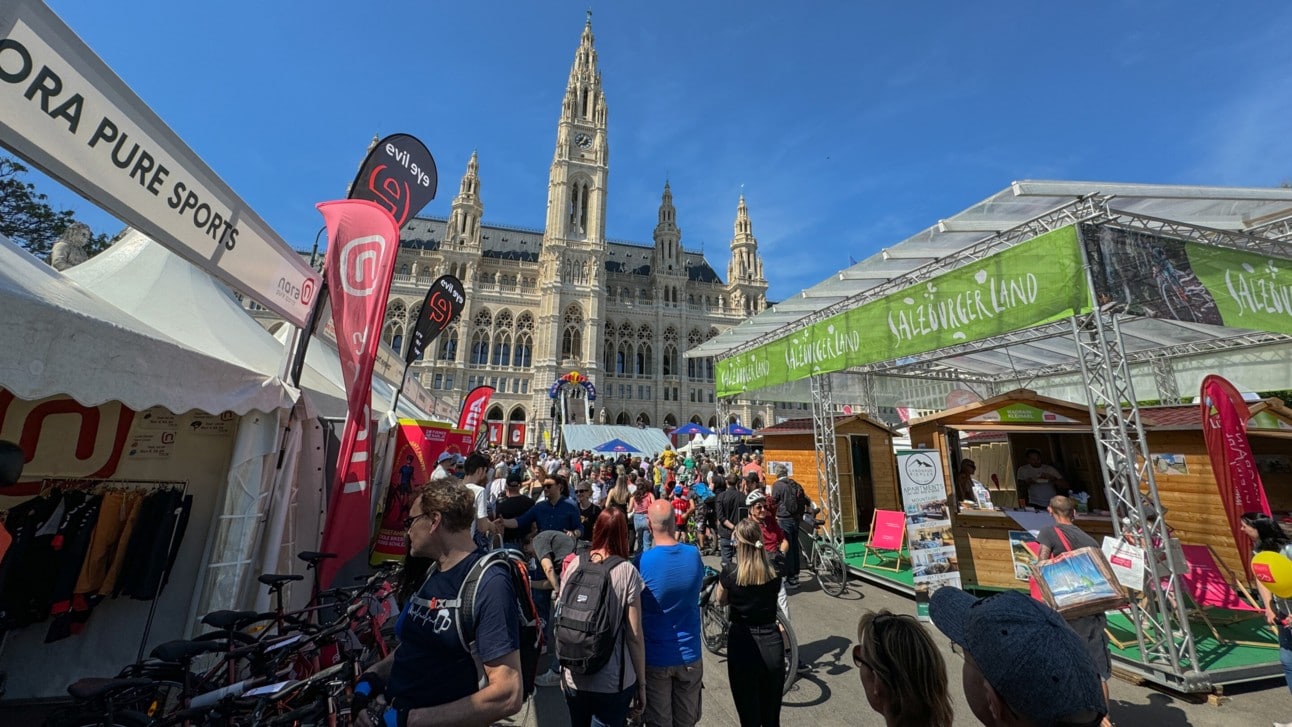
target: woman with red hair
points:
(607, 694)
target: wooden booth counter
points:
(997, 432)
(867, 470)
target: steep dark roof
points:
(519, 243)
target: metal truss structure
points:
(827, 461)
(724, 413)
(1161, 623)
(1168, 388)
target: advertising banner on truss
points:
(1152, 275)
(928, 525)
(70, 116)
(1029, 284)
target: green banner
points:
(1036, 282)
(1147, 274)
(1249, 290)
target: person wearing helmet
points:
(762, 510)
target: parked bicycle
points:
(825, 558)
(715, 624)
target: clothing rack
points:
(51, 484)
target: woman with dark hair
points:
(902, 671)
(607, 695)
(1266, 535)
(755, 647)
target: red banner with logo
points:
(495, 433)
(473, 409)
(362, 243)
(515, 436)
(1224, 427)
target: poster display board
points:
(934, 562)
(417, 445)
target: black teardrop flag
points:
(399, 174)
(444, 301)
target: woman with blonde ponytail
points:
(755, 648)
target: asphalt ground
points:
(831, 693)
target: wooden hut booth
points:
(867, 471)
(997, 433)
(1186, 482)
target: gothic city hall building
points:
(544, 303)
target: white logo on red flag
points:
(359, 267)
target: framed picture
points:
(1079, 583)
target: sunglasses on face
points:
(408, 521)
(857, 659)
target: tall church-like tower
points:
(745, 271)
(573, 256)
(668, 264)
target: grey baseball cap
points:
(1026, 651)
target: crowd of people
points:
(618, 589)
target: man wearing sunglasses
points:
(553, 512)
(431, 678)
(588, 510)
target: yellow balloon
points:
(1275, 571)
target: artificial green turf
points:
(1212, 654)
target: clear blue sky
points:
(851, 125)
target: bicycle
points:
(826, 561)
(715, 624)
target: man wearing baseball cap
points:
(1023, 665)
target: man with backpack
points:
(790, 503)
(466, 613)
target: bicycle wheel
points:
(791, 651)
(713, 627)
(830, 568)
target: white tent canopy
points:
(63, 339)
(647, 441)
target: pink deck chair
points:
(1211, 584)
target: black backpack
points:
(584, 628)
(797, 499)
(531, 630)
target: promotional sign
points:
(516, 435)
(928, 525)
(473, 409)
(399, 175)
(417, 445)
(70, 116)
(1020, 413)
(360, 264)
(1029, 284)
(1127, 562)
(1224, 427)
(444, 302)
(496, 433)
(1161, 277)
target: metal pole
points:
(827, 466)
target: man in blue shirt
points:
(432, 678)
(553, 512)
(673, 574)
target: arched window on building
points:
(622, 419)
(502, 350)
(572, 336)
(523, 355)
(479, 349)
(448, 344)
(670, 360)
(643, 420)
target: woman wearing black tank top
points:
(755, 648)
